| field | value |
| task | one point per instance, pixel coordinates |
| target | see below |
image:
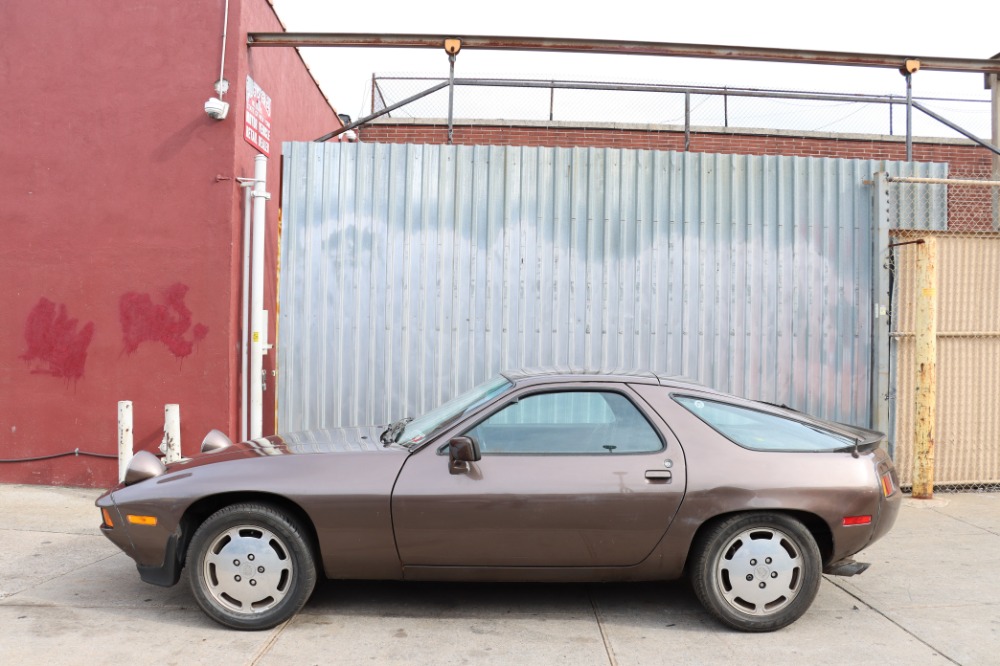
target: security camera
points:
(216, 108)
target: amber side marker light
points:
(107, 518)
(888, 487)
(857, 520)
(142, 520)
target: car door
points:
(579, 476)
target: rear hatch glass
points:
(765, 431)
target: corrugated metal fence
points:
(410, 273)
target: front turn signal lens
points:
(106, 515)
(142, 520)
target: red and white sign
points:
(257, 131)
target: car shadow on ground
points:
(652, 602)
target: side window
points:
(761, 431)
(571, 422)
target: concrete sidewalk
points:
(68, 596)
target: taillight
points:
(857, 520)
(888, 487)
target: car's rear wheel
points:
(758, 571)
(251, 566)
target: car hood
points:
(335, 440)
(359, 440)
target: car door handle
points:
(658, 474)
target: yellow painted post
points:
(925, 407)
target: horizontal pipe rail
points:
(950, 334)
(673, 88)
(693, 90)
(607, 46)
(942, 181)
(657, 88)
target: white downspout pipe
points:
(258, 318)
(246, 184)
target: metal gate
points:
(410, 273)
(959, 280)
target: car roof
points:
(556, 374)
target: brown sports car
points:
(544, 476)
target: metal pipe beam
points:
(607, 46)
(382, 112)
(944, 121)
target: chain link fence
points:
(945, 329)
(485, 98)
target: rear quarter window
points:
(762, 431)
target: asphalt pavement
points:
(68, 596)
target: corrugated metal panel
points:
(410, 273)
(968, 362)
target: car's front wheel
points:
(251, 566)
(757, 571)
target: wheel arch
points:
(199, 511)
(817, 527)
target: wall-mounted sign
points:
(258, 118)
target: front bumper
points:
(156, 550)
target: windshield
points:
(419, 428)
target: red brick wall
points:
(965, 159)
(122, 222)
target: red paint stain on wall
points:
(145, 321)
(55, 346)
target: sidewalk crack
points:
(600, 625)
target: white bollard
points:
(124, 437)
(171, 445)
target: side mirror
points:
(462, 451)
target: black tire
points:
(757, 571)
(251, 566)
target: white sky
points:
(959, 28)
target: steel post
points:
(451, 98)
(125, 437)
(925, 394)
(171, 445)
(881, 403)
(909, 117)
(687, 121)
(994, 81)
